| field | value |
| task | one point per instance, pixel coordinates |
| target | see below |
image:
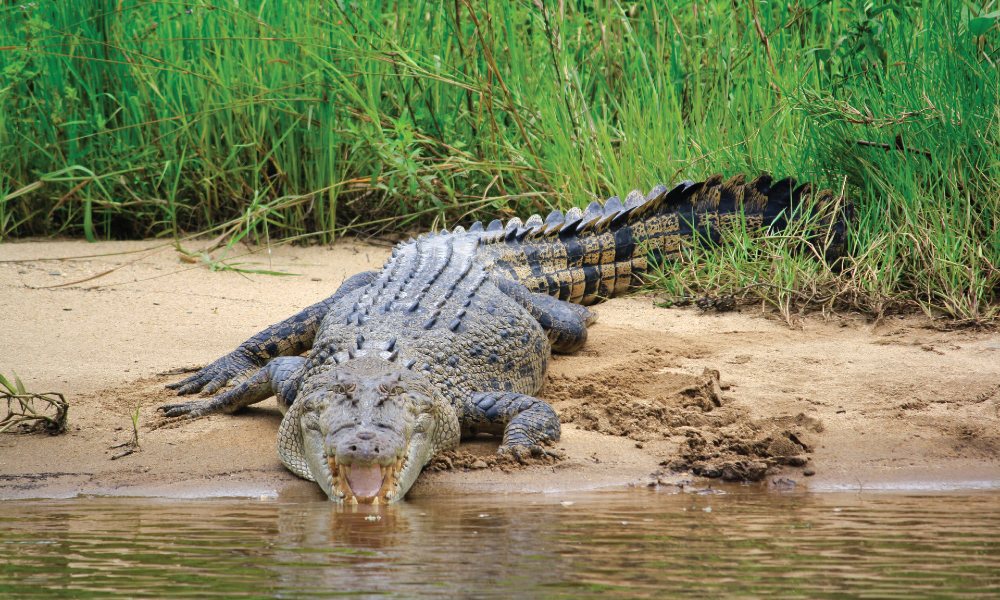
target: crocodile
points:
(452, 336)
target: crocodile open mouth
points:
(365, 484)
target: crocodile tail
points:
(586, 256)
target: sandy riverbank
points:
(897, 405)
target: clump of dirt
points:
(648, 400)
(645, 401)
(460, 460)
(747, 450)
(971, 438)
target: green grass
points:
(303, 120)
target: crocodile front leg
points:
(527, 423)
(279, 377)
(290, 337)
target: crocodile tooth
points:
(388, 495)
(375, 501)
(353, 500)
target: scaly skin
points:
(453, 335)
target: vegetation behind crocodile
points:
(453, 335)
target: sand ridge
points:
(656, 397)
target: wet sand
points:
(656, 397)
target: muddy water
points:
(623, 544)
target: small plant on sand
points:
(131, 446)
(213, 263)
(28, 412)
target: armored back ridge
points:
(452, 336)
(590, 255)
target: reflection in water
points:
(624, 544)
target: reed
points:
(308, 119)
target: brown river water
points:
(635, 543)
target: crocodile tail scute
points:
(588, 255)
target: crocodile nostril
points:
(354, 448)
(376, 449)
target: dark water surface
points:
(615, 544)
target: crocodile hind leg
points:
(280, 378)
(527, 423)
(290, 337)
(566, 323)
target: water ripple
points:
(630, 544)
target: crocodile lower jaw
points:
(373, 487)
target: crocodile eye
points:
(420, 404)
(343, 389)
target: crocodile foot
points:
(530, 454)
(211, 378)
(195, 408)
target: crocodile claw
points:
(531, 454)
(203, 380)
(192, 409)
(211, 378)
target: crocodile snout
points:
(364, 446)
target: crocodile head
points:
(365, 429)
